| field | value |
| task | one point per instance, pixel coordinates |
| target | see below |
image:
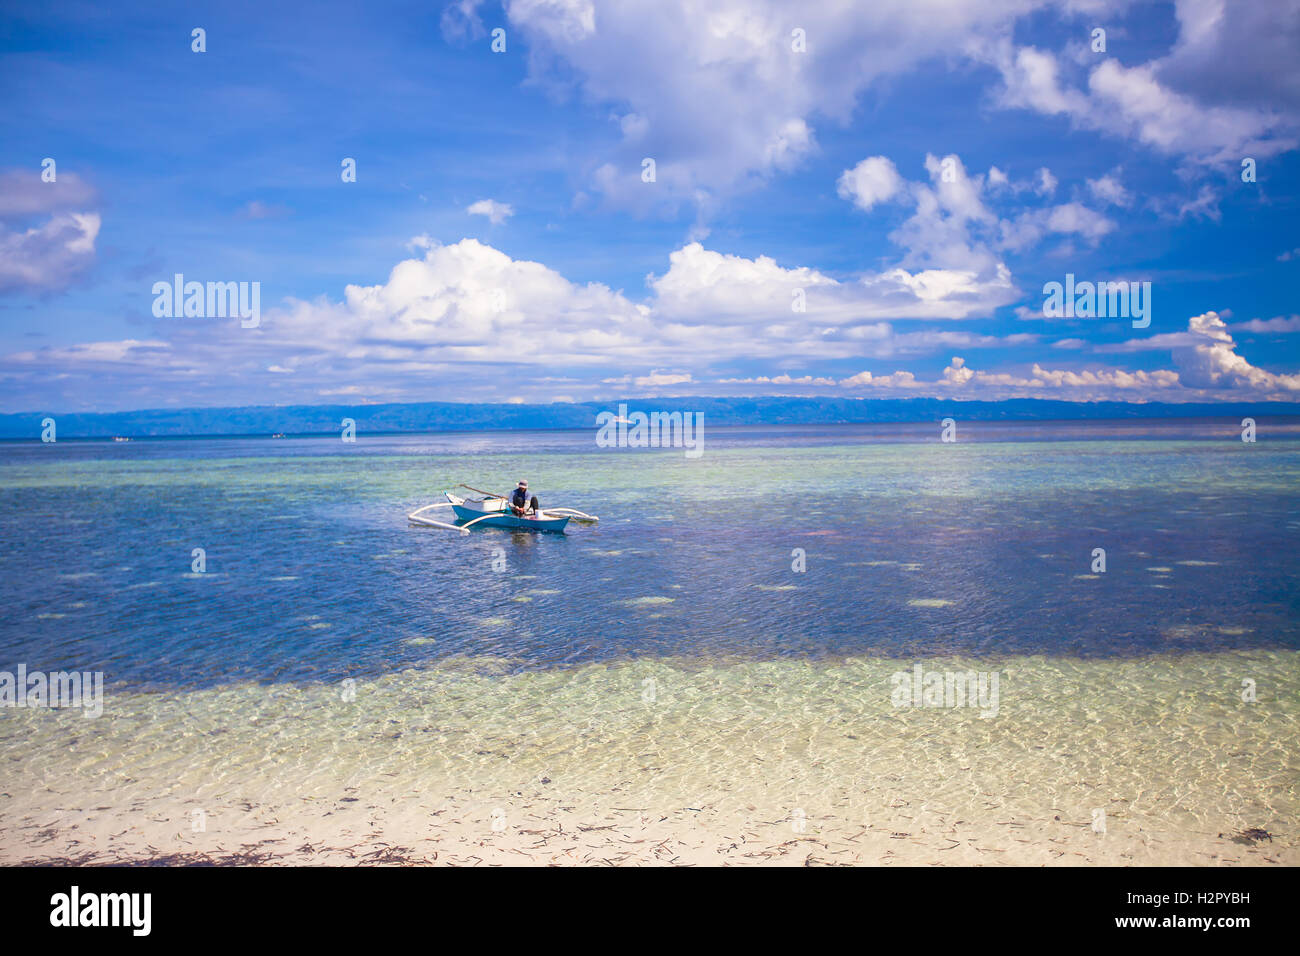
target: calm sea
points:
(808, 542)
(727, 640)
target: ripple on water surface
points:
(1163, 743)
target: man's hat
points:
(523, 483)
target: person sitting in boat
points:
(519, 503)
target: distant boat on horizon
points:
(120, 438)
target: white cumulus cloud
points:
(496, 212)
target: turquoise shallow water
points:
(670, 658)
(909, 548)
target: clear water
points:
(313, 572)
(770, 684)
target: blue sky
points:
(913, 177)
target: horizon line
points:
(1135, 403)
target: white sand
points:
(660, 763)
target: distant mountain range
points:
(453, 416)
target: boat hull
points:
(499, 517)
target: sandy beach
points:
(659, 763)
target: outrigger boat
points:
(493, 511)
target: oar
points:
(482, 492)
